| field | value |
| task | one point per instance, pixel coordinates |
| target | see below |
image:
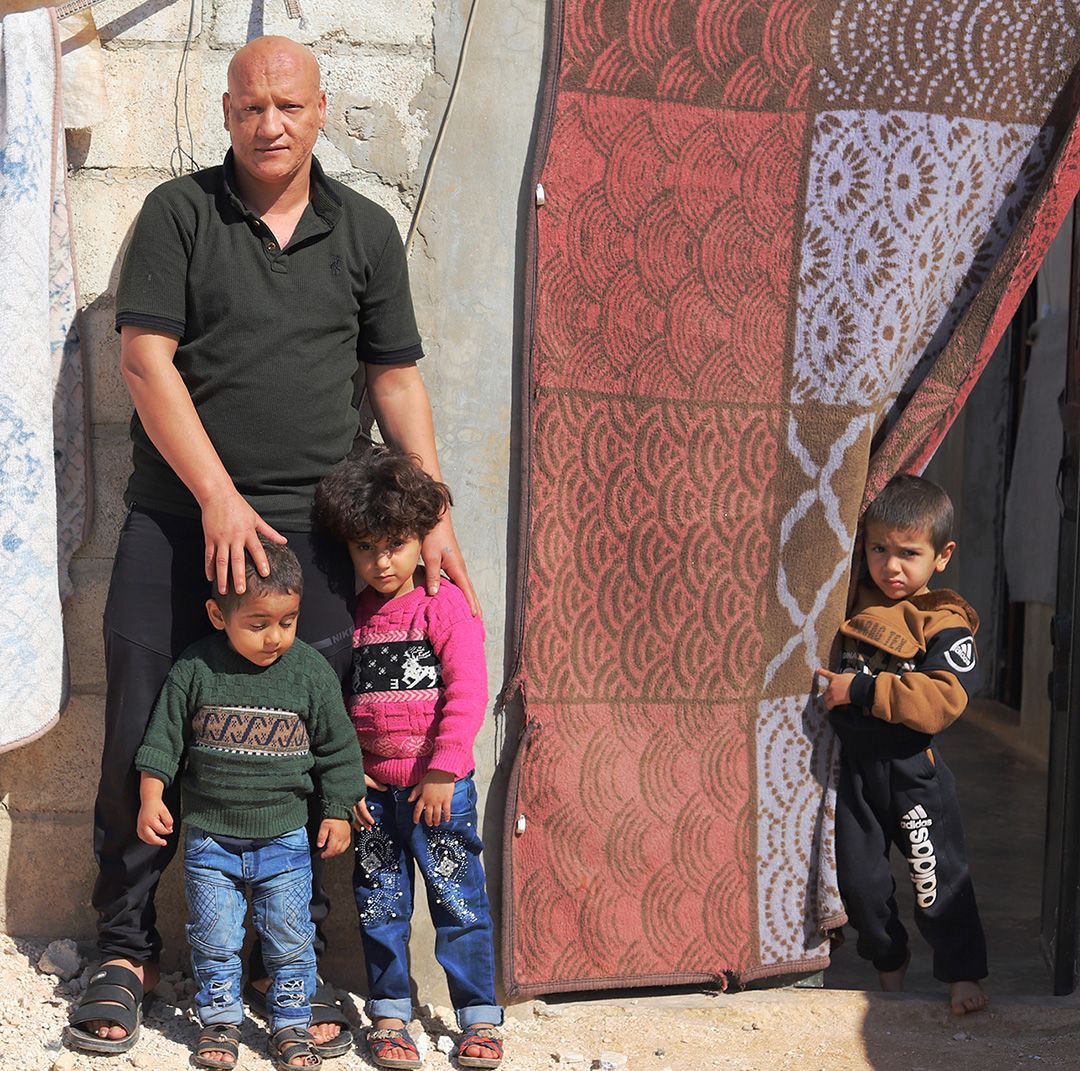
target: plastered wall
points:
(388, 66)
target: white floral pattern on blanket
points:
(42, 438)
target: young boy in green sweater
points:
(256, 720)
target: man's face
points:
(274, 111)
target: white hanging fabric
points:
(43, 454)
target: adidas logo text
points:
(922, 861)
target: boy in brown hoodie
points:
(907, 670)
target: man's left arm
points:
(400, 403)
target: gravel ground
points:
(777, 1030)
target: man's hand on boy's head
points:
(433, 795)
(154, 823)
(335, 837)
(231, 526)
(837, 690)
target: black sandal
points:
(288, 1043)
(217, 1037)
(324, 1009)
(114, 995)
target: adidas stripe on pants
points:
(910, 803)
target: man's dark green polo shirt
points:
(269, 338)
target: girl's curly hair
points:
(379, 492)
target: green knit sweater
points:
(258, 741)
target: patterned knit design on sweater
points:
(419, 684)
(253, 742)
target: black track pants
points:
(910, 803)
(155, 608)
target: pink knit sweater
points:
(419, 683)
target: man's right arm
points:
(168, 414)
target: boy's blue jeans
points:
(448, 856)
(278, 872)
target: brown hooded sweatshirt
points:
(916, 667)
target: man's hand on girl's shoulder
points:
(441, 554)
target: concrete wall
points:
(388, 66)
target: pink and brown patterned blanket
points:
(779, 240)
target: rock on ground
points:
(62, 959)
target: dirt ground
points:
(776, 1030)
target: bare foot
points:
(321, 1032)
(395, 1052)
(147, 973)
(965, 997)
(324, 1032)
(893, 981)
(484, 1052)
(217, 1056)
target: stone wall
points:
(387, 68)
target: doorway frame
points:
(1061, 864)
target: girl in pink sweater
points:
(418, 697)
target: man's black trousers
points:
(155, 608)
(909, 802)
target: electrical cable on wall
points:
(430, 170)
(421, 197)
(183, 160)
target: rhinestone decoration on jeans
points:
(450, 863)
(376, 857)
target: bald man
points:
(249, 297)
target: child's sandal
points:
(487, 1038)
(217, 1037)
(290, 1042)
(382, 1040)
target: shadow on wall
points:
(143, 11)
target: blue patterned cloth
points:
(43, 461)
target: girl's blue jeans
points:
(278, 873)
(448, 856)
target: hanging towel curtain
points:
(43, 453)
(773, 234)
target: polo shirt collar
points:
(325, 203)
